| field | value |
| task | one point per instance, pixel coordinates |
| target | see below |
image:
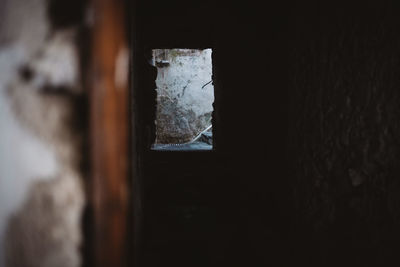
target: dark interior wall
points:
(343, 132)
(311, 174)
(238, 189)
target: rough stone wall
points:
(344, 135)
(42, 132)
(183, 107)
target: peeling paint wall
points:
(41, 136)
(184, 106)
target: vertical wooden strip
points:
(109, 134)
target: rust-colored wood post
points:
(109, 134)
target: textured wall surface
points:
(183, 106)
(344, 136)
(41, 192)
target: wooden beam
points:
(109, 134)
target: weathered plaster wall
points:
(184, 108)
(41, 193)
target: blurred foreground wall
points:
(42, 126)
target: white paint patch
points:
(58, 64)
(23, 157)
(35, 143)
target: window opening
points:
(185, 94)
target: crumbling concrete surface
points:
(185, 93)
(41, 191)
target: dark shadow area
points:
(311, 176)
(223, 207)
(343, 133)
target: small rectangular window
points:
(185, 95)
